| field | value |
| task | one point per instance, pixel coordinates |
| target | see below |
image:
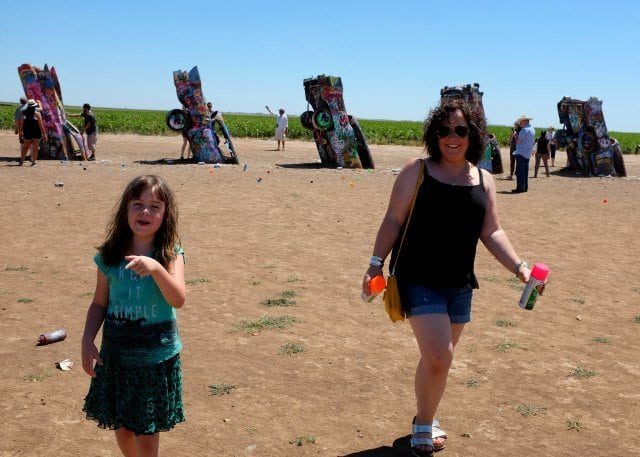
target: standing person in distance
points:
(542, 153)
(455, 207)
(513, 141)
(31, 130)
(282, 126)
(17, 117)
(553, 144)
(136, 385)
(524, 148)
(90, 128)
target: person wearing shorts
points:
(31, 130)
(433, 259)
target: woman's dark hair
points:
(119, 234)
(440, 115)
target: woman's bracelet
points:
(376, 261)
(522, 263)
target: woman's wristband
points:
(519, 265)
(376, 261)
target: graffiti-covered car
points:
(338, 136)
(470, 93)
(590, 150)
(63, 138)
(195, 123)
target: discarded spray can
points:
(535, 286)
(52, 337)
(245, 167)
(59, 184)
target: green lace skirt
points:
(144, 400)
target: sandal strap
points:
(415, 428)
(421, 441)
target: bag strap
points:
(413, 204)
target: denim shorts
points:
(456, 302)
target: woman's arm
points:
(94, 320)
(397, 212)
(170, 282)
(40, 123)
(494, 237)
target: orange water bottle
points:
(377, 284)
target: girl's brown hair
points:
(119, 234)
(440, 115)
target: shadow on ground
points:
(400, 448)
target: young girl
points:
(136, 386)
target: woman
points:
(32, 130)
(455, 206)
(542, 153)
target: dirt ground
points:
(520, 389)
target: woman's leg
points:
(437, 338)
(537, 165)
(35, 145)
(512, 164)
(148, 445)
(127, 442)
(23, 150)
(545, 161)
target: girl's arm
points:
(494, 238)
(95, 317)
(397, 212)
(170, 283)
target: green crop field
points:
(147, 122)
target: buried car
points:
(338, 136)
(590, 150)
(194, 121)
(64, 138)
(491, 159)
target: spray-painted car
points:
(491, 159)
(194, 120)
(338, 136)
(42, 85)
(589, 149)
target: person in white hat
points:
(524, 148)
(31, 130)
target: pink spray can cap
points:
(540, 271)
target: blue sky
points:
(393, 57)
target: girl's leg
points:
(127, 442)
(537, 165)
(148, 445)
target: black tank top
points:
(30, 126)
(440, 246)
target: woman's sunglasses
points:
(461, 131)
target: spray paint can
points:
(534, 286)
(52, 337)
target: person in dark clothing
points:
(31, 130)
(513, 142)
(455, 207)
(542, 152)
(90, 128)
